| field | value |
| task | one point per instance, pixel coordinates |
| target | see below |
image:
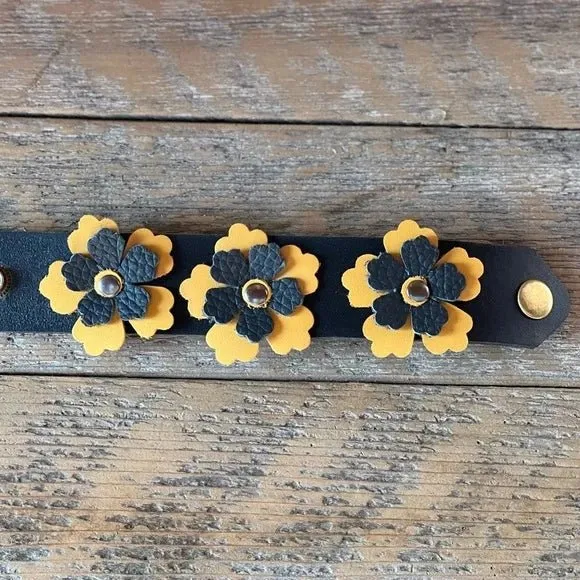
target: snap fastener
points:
(535, 299)
(5, 281)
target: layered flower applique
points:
(411, 290)
(253, 290)
(104, 282)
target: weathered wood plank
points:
(182, 479)
(482, 185)
(408, 61)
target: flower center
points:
(415, 291)
(108, 284)
(256, 293)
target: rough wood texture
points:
(408, 61)
(481, 185)
(183, 479)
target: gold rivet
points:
(415, 291)
(256, 293)
(535, 299)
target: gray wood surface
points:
(475, 62)
(184, 479)
(330, 464)
(483, 185)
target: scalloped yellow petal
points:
(229, 346)
(240, 237)
(453, 335)
(194, 289)
(159, 245)
(407, 230)
(88, 226)
(301, 266)
(355, 280)
(158, 315)
(53, 286)
(98, 339)
(385, 341)
(291, 332)
(471, 268)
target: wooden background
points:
(311, 117)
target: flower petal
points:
(286, 296)
(419, 256)
(222, 304)
(254, 323)
(390, 310)
(302, 267)
(132, 302)
(446, 282)
(230, 268)
(356, 281)
(229, 346)
(471, 268)
(53, 286)
(291, 332)
(158, 315)
(106, 247)
(96, 310)
(385, 274)
(87, 227)
(139, 265)
(453, 335)
(98, 339)
(194, 289)
(428, 318)
(240, 237)
(265, 261)
(385, 341)
(407, 230)
(79, 272)
(159, 245)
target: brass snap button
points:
(535, 299)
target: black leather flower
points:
(250, 289)
(111, 278)
(417, 286)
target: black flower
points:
(417, 286)
(250, 289)
(110, 277)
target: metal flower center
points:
(108, 284)
(415, 291)
(256, 293)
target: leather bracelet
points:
(497, 315)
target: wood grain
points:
(482, 185)
(407, 61)
(101, 478)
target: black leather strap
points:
(496, 315)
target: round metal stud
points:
(535, 299)
(415, 291)
(108, 285)
(256, 293)
(5, 281)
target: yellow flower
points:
(104, 282)
(410, 292)
(253, 290)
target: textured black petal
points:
(446, 282)
(95, 309)
(429, 318)
(419, 256)
(385, 273)
(254, 324)
(286, 296)
(222, 304)
(79, 272)
(390, 310)
(106, 247)
(139, 265)
(230, 268)
(132, 302)
(265, 261)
